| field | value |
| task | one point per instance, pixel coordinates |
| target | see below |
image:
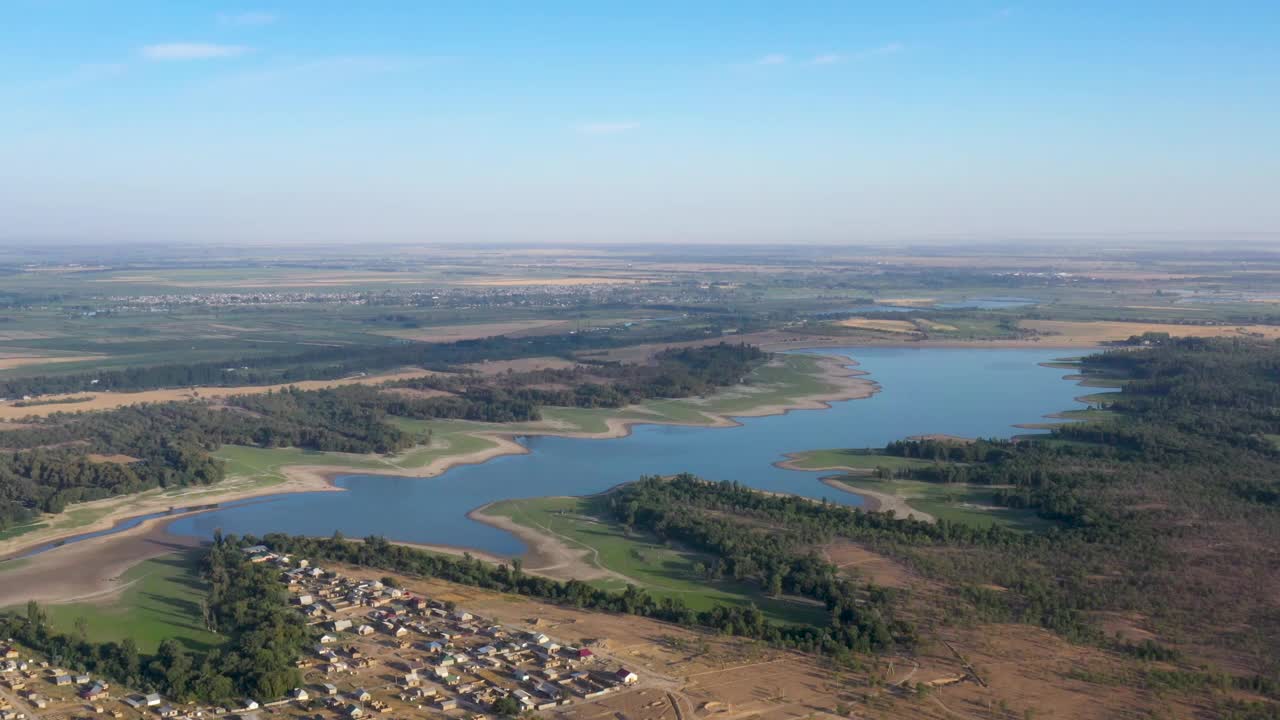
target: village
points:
(379, 650)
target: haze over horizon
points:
(291, 121)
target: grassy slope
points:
(161, 600)
(663, 571)
(956, 502)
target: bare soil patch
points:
(858, 560)
(117, 458)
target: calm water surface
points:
(968, 392)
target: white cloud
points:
(192, 51)
(606, 128)
(253, 17)
(772, 59)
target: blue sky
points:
(692, 121)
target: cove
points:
(957, 391)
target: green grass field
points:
(956, 502)
(662, 570)
(162, 599)
(17, 530)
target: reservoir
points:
(963, 391)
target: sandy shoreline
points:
(876, 501)
(298, 479)
(89, 570)
(873, 500)
(546, 554)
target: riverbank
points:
(91, 570)
(838, 380)
(876, 501)
(546, 553)
(108, 513)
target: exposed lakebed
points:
(966, 392)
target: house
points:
(82, 679)
(364, 630)
(340, 625)
(361, 695)
(141, 701)
(582, 653)
(410, 679)
(625, 676)
(354, 711)
(62, 680)
(305, 599)
(519, 675)
(327, 638)
(300, 695)
(167, 711)
(249, 705)
(96, 691)
(446, 704)
(330, 689)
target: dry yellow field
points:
(893, 326)
(556, 282)
(907, 301)
(453, 333)
(111, 400)
(12, 361)
(1097, 332)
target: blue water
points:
(967, 392)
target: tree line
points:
(246, 604)
(330, 363)
(50, 465)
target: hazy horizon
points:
(285, 123)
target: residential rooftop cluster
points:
(383, 646)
